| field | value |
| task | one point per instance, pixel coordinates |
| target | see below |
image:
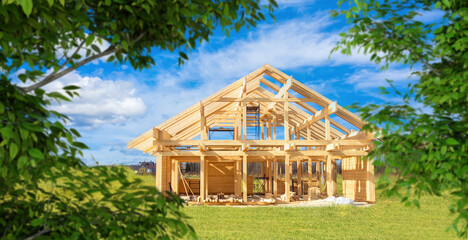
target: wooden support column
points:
(370, 181)
(309, 136)
(263, 132)
(274, 127)
(202, 178)
(244, 120)
(244, 178)
(159, 172)
(309, 172)
(275, 178)
(299, 178)
(331, 180)
(268, 176)
(318, 169)
(287, 176)
(175, 176)
(206, 177)
(286, 117)
(268, 131)
(203, 130)
(238, 178)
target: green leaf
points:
(71, 87)
(36, 222)
(451, 141)
(89, 39)
(13, 150)
(27, 6)
(447, 3)
(36, 153)
(22, 161)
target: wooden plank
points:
(238, 178)
(272, 100)
(287, 175)
(202, 178)
(159, 172)
(175, 176)
(214, 153)
(299, 178)
(244, 120)
(254, 143)
(282, 93)
(275, 178)
(244, 177)
(286, 118)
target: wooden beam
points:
(313, 153)
(275, 178)
(299, 177)
(244, 120)
(175, 176)
(202, 178)
(159, 172)
(272, 100)
(309, 171)
(238, 178)
(287, 176)
(282, 93)
(286, 118)
(244, 178)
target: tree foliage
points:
(80, 31)
(46, 191)
(425, 135)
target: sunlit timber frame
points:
(311, 137)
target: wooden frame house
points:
(308, 136)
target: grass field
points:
(388, 219)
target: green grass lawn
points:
(388, 219)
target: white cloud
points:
(101, 101)
(370, 79)
(430, 16)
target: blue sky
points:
(118, 103)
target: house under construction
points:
(271, 119)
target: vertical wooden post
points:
(268, 131)
(318, 169)
(175, 176)
(263, 132)
(244, 120)
(275, 178)
(309, 172)
(206, 177)
(327, 127)
(331, 183)
(299, 178)
(244, 178)
(268, 176)
(287, 176)
(202, 178)
(238, 178)
(286, 117)
(274, 127)
(203, 130)
(370, 181)
(159, 172)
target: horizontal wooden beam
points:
(344, 153)
(274, 99)
(270, 143)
